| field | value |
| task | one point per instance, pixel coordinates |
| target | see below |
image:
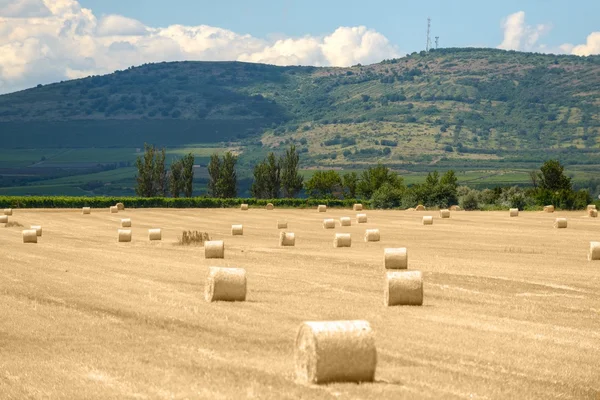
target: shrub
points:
(387, 196)
(469, 201)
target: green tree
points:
(552, 177)
(273, 176)
(259, 185)
(146, 176)
(175, 181)
(214, 174)
(291, 180)
(227, 183)
(159, 174)
(374, 177)
(187, 174)
(324, 184)
(350, 183)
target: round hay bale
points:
(591, 207)
(403, 288)
(270, 206)
(420, 207)
(342, 240)
(126, 223)
(410, 209)
(329, 223)
(322, 208)
(593, 213)
(225, 284)
(345, 221)
(560, 223)
(361, 218)
(214, 249)
(86, 210)
(244, 207)
(549, 209)
(3, 219)
(287, 239)
(114, 209)
(124, 235)
(282, 224)
(155, 234)
(514, 212)
(455, 208)
(395, 258)
(38, 229)
(30, 236)
(237, 230)
(120, 206)
(594, 253)
(428, 220)
(335, 351)
(357, 207)
(445, 213)
(372, 235)
(8, 211)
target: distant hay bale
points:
(3, 219)
(329, 223)
(514, 212)
(86, 210)
(282, 224)
(225, 284)
(287, 239)
(395, 258)
(38, 229)
(8, 211)
(420, 207)
(126, 223)
(410, 209)
(155, 234)
(345, 221)
(124, 235)
(445, 213)
(594, 253)
(593, 213)
(361, 218)
(403, 288)
(322, 208)
(30, 236)
(372, 235)
(114, 209)
(357, 207)
(335, 351)
(237, 230)
(244, 207)
(270, 206)
(428, 220)
(455, 208)
(342, 240)
(214, 249)
(549, 209)
(560, 223)
(120, 206)
(591, 207)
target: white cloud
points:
(592, 46)
(520, 36)
(42, 41)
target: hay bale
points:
(120, 206)
(593, 213)
(445, 213)
(214, 249)
(455, 208)
(237, 230)
(126, 223)
(514, 212)
(395, 258)
(428, 220)
(270, 206)
(244, 207)
(155, 234)
(8, 211)
(357, 207)
(225, 284)
(549, 209)
(594, 253)
(560, 223)
(329, 223)
(124, 235)
(3, 219)
(335, 351)
(322, 208)
(282, 224)
(86, 210)
(30, 236)
(342, 240)
(420, 207)
(287, 239)
(38, 229)
(410, 209)
(114, 209)
(591, 207)
(372, 235)
(403, 288)
(361, 218)
(345, 221)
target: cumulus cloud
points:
(520, 36)
(42, 41)
(592, 46)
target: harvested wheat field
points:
(511, 306)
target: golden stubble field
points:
(511, 307)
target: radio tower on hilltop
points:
(428, 46)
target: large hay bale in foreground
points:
(329, 223)
(357, 207)
(38, 229)
(287, 239)
(322, 208)
(361, 218)
(225, 284)
(124, 235)
(86, 210)
(593, 213)
(154, 234)
(591, 207)
(560, 223)
(270, 206)
(594, 253)
(335, 351)
(237, 230)
(372, 235)
(345, 221)
(549, 209)
(342, 240)
(445, 213)
(403, 288)
(126, 222)
(120, 206)
(8, 211)
(114, 209)
(395, 258)
(30, 236)
(514, 212)
(420, 207)
(428, 220)
(244, 207)
(214, 249)
(3, 219)
(282, 224)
